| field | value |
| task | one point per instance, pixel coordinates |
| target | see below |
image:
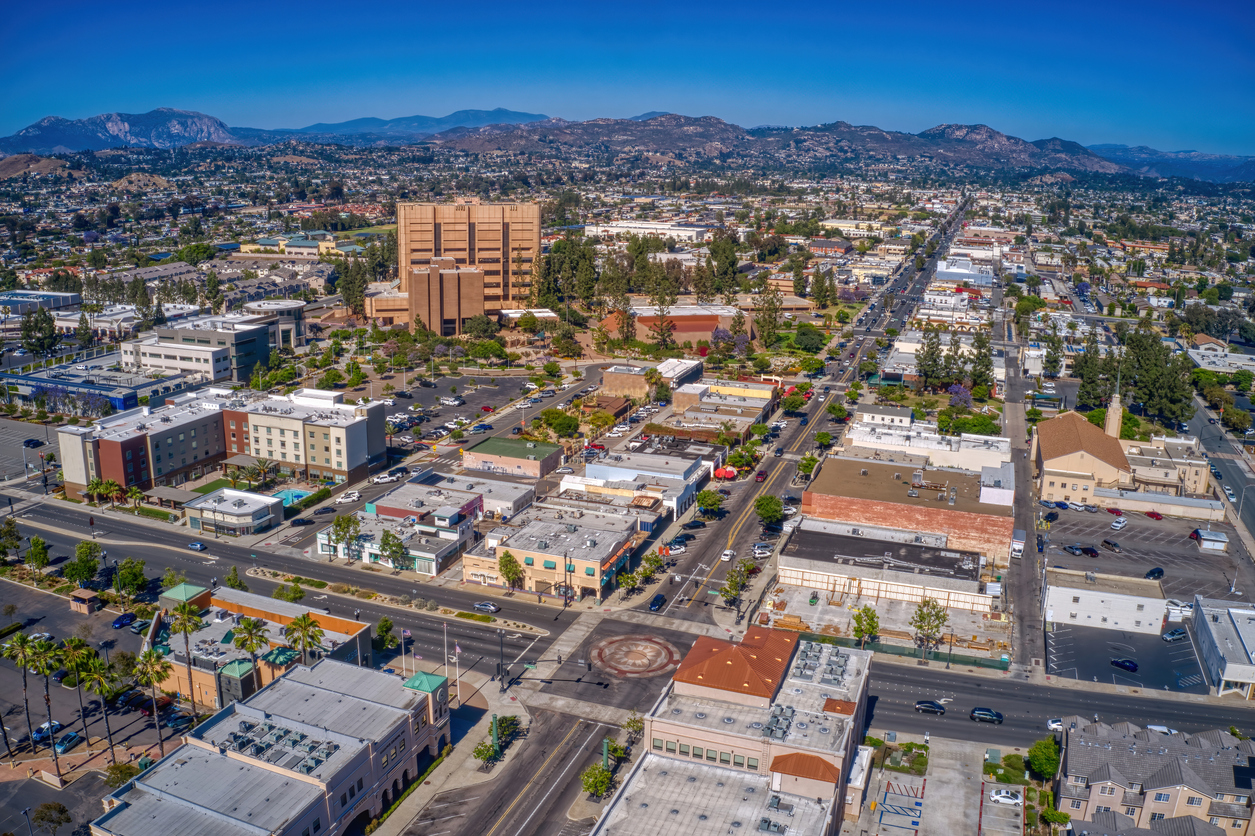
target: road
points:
(162, 550)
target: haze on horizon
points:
(1156, 74)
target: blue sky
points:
(1172, 76)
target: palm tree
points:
(253, 473)
(94, 489)
(135, 495)
(45, 660)
(185, 622)
(304, 631)
(76, 655)
(151, 669)
(99, 679)
(264, 468)
(111, 489)
(20, 650)
(251, 636)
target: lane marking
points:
(535, 778)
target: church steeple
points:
(1115, 410)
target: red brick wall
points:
(989, 535)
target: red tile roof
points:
(756, 666)
(806, 766)
(832, 706)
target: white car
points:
(622, 428)
(565, 470)
(1228, 491)
(351, 496)
(789, 510)
(1010, 797)
(614, 435)
(1120, 523)
(727, 555)
(759, 554)
(384, 478)
(453, 425)
(677, 549)
(1055, 724)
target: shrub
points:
(364, 594)
(476, 616)
(339, 588)
(432, 606)
(874, 742)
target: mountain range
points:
(658, 134)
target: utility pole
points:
(501, 656)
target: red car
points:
(485, 409)
(761, 477)
(597, 447)
(1154, 515)
(1115, 511)
(163, 702)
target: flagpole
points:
(457, 676)
(446, 649)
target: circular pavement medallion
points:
(635, 657)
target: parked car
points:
(693, 525)
(516, 431)
(385, 478)
(1228, 492)
(1111, 546)
(1154, 515)
(1051, 517)
(1115, 511)
(68, 741)
(930, 707)
(1154, 574)
(1074, 549)
(163, 702)
(135, 700)
(677, 548)
(47, 731)
(1089, 551)
(986, 715)
(1075, 506)
(485, 408)
(1125, 665)
(125, 619)
(1009, 797)
(32, 443)
(1119, 524)
(198, 547)
(1046, 503)
(1177, 634)
(1062, 506)
(178, 722)
(140, 626)
(1092, 509)
(657, 603)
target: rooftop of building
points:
(420, 534)
(232, 501)
(225, 322)
(513, 448)
(824, 543)
(575, 541)
(188, 409)
(870, 480)
(675, 366)
(1232, 625)
(642, 463)
(311, 406)
(817, 688)
(902, 412)
(671, 797)
(1071, 433)
(264, 306)
(1100, 582)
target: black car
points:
(1051, 517)
(658, 602)
(1041, 544)
(683, 538)
(516, 431)
(398, 471)
(1089, 551)
(1125, 665)
(693, 525)
(403, 394)
(1154, 574)
(779, 452)
(930, 707)
(300, 521)
(32, 443)
(427, 384)
(986, 715)
(327, 510)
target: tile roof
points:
(832, 706)
(755, 666)
(806, 766)
(1072, 432)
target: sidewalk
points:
(461, 769)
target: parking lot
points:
(1000, 819)
(1085, 653)
(1146, 544)
(12, 434)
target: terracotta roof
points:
(1206, 339)
(832, 706)
(1072, 432)
(806, 766)
(755, 666)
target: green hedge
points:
(476, 616)
(317, 497)
(10, 629)
(314, 582)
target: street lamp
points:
(27, 813)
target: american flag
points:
(456, 649)
(405, 633)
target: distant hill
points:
(649, 115)
(21, 164)
(425, 125)
(1219, 168)
(161, 128)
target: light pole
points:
(27, 813)
(501, 656)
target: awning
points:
(166, 493)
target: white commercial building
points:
(1225, 634)
(151, 352)
(1108, 602)
(690, 233)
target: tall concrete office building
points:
(462, 259)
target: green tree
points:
(866, 624)
(981, 371)
(37, 558)
(128, 579)
(252, 635)
(392, 550)
(485, 752)
(929, 360)
(345, 529)
(85, 564)
(45, 660)
(39, 332)
(480, 327)
(20, 650)
(184, 621)
(837, 411)
(233, 581)
(83, 334)
(511, 570)
(77, 656)
(303, 631)
(767, 316)
(596, 780)
(117, 774)
(823, 439)
(1043, 758)
(152, 669)
(98, 677)
(383, 634)
(793, 403)
(709, 502)
(51, 816)
(173, 577)
(769, 508)
(927, 621)
(634, 725)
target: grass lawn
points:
(213, 486)
(380, 229)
